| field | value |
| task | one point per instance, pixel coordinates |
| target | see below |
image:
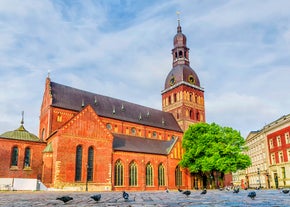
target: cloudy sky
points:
(122, 48)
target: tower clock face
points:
(172, 81)
(191, 79)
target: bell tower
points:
(182, 95)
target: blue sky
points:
(239, 49)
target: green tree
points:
(211, 148)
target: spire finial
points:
(178, 22)
(48, 74)
(22, 120)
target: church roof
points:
(182, 74)
(143, 145)
(75, 99)
(20, 134)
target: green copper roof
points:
(20, 134)
(48, 148)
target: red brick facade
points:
(93, 142)
(7, 170)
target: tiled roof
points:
(74, 99)
(20, 134)
(143, 145)
(48, 148)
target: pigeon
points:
(236, 190)
(96, 197)
(180, 190)
(167, 191)
(203, 192)
(252, 195)
(285, 191)
(65, 199)
(125, 195)
(187, 193)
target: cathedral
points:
(93, 142)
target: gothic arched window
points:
(14, 156)
(119, 173)
(79, 151)
(161, 175)
(149, 175)
(90, 167)
(27, 157)
(178, 176)
(133, 174)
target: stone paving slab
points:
(214, 198)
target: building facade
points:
(21, 154)
(269, 149)
(279, 152)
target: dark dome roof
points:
(181, 73)
(179, 40)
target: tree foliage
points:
(210, 147)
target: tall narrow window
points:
(178, 176)
(161, 175)
(27, 157)
(14, 156)
(78, 175)
(119, 173)
(133, 174)
(149, 175)
(90, 167)
(278, 141)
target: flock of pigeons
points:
(125, 195)
(96, 197)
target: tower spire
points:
(178, 22)
(22, 120)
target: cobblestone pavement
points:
(213, 198)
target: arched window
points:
(169, 99)
(197, 116)
(180, 54)
(174, 97)
(149, 175)
(190, 97)
(178, 176)
(161, 175)
(119, 173)
(133, 174)
(90, 166)
(78, 175)
(190, 114)
(27, 156)
(14, 156)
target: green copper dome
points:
(20, 134)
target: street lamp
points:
(87, 177)
(259, 178)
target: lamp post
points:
(87, 177)
(259, 178)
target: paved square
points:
(216, 198)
